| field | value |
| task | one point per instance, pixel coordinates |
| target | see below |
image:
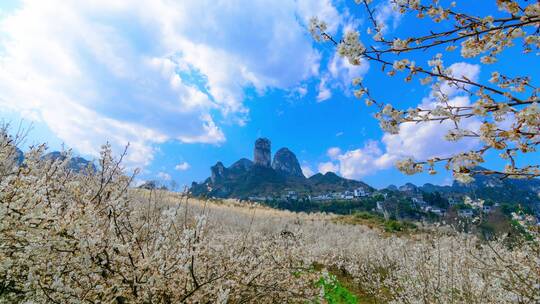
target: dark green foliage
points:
(507, 209)
(336, 206)
(435, 199)
(398, 226)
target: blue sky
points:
(194, 82)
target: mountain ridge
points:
(76, 163)
(246, 178)
(257, 179)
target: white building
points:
(437, 211)
(465, 213)
(360, 192)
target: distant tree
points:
(507, 106)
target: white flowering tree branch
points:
(506, 106)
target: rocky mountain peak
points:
(286, 162)
(262, 152)
(76, 163)
(408, 187)
(242, 164)
(217, 171)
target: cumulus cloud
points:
(164, 176)
(341, 70)
(339, 75)
(461, 70)
(425, 140)
(324, 92)
(387, 16)
(183, 166)
(150, 71)
(361, 162)
(333, 152)
(419, 141)
(322, 9)
(328, 167)
(307, 171)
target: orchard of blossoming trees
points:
(86, 237)
(506, 105)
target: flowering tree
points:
(67, 237)
(85, 237)
(507, 106)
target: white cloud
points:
(425, 140)
(307, 171)
(298, 92)
(322, 9)
(183, 166)
(333, 152)
(339, 75)
(341, 70)
(328, 167)
(385, 13)
(459, 70)
(360, 162)
(419, 141)
(164, 176)
(324, 91)
(150, 71)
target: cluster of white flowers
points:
(352, 48)
(400, 65)
(409, 166)
(317, 29)
(399, 44)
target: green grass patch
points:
(335, 292)
(374, 220)
(398, 226)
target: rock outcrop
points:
(217, 172)
(242, 164)
(76, 163)
(262, 152)
(285, 162)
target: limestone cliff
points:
(285, 162)
(262, 152)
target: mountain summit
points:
(285, 162)
(260, 177)
(262, 152)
